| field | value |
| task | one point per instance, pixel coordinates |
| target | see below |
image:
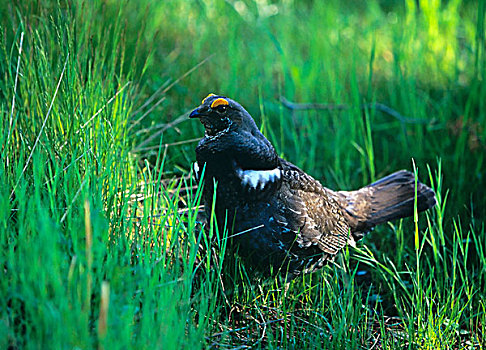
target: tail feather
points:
(390, 198)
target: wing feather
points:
(314, 209)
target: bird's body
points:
(281, 218)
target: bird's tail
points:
(389, 198)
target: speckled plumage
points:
(281, 218)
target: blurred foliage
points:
(425, 59)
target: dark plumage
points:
(280, 217)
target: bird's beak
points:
(195, 113)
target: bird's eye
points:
(221, 108)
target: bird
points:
(281, 219)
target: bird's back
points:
(280, 217)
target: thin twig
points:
(178, 120)
(72, 202)
(245, 231)
(329, 107)
(147, 113)
(178, 143)
(310, 106)
(187, 73)
(104, 106)
(42, 127)
(164, 91)
(150, 129)
(15, 90)
(97, 112)
(150, 99)
(260, 324)
(66, 168)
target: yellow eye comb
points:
(208, 96)
(219, 102)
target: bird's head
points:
(220, 114)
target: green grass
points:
(101, 245)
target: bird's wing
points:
(312, 211)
